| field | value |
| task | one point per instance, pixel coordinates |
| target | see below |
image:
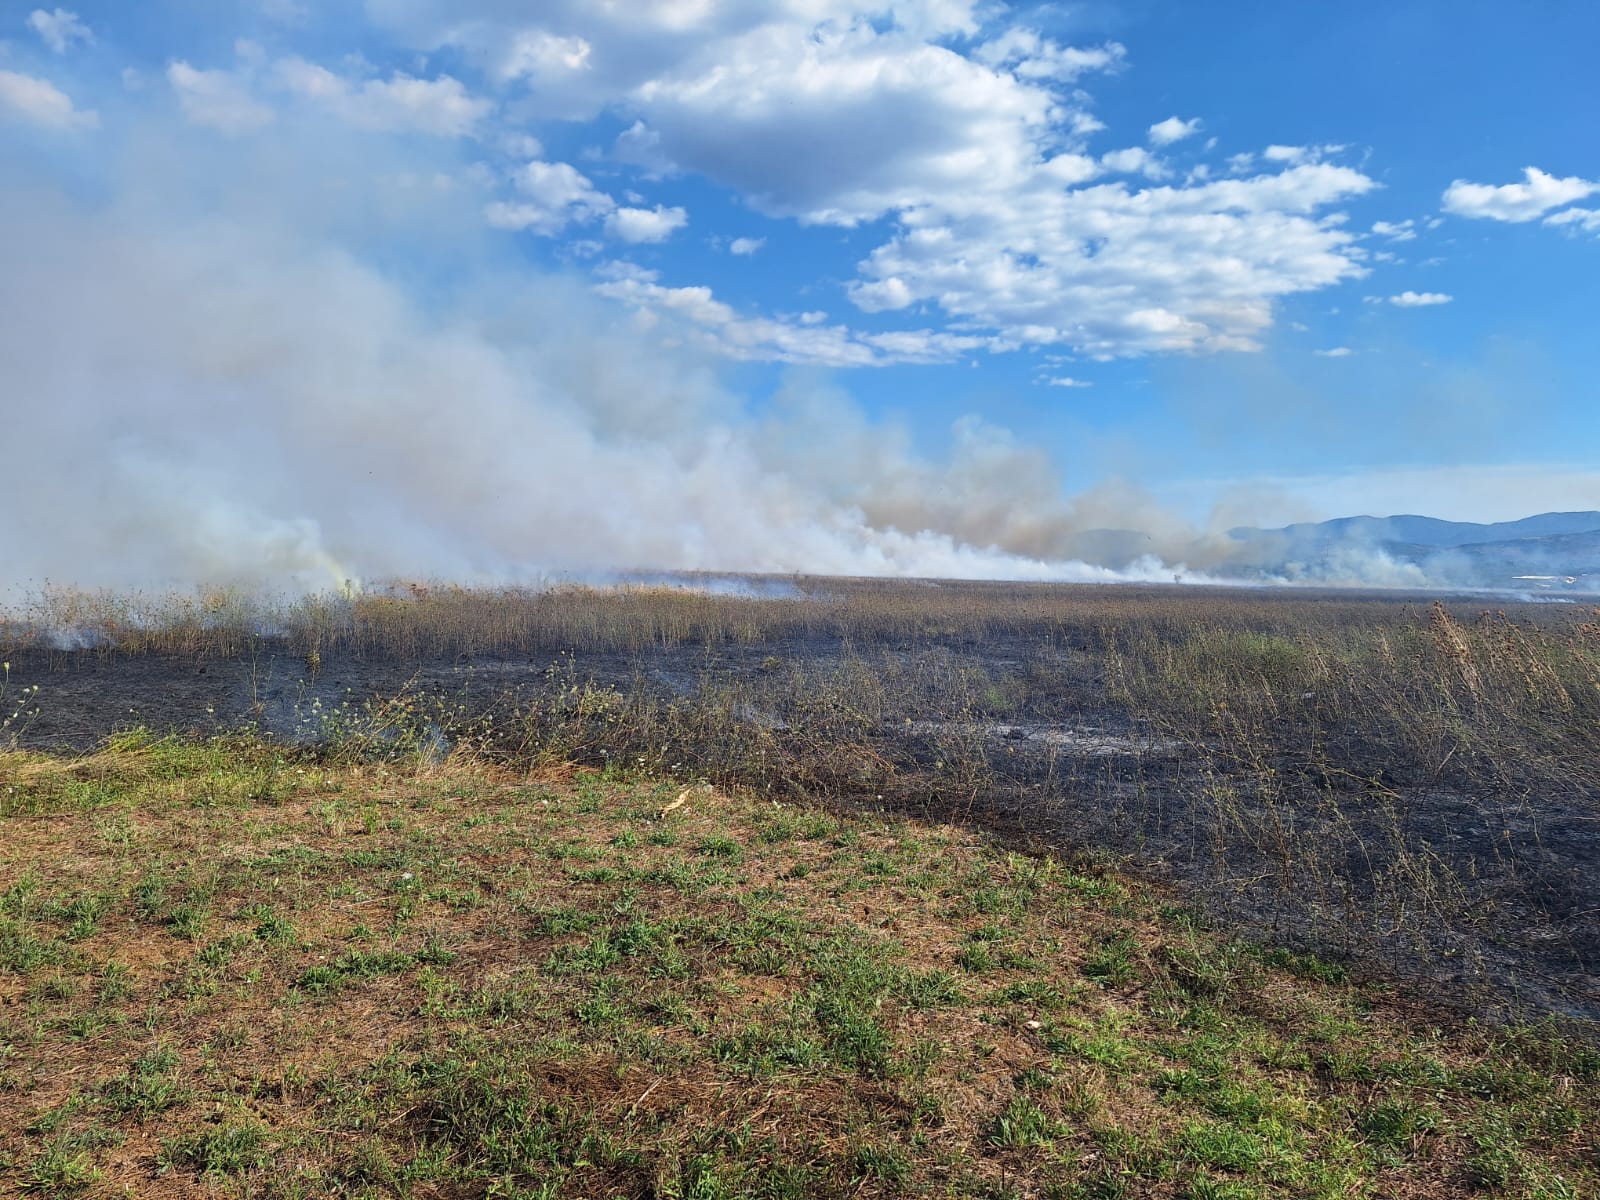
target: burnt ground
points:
(1485, 898)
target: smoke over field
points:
(239, 406)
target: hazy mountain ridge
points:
(1547, 550)
(1432, 531)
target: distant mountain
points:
(1547, 551)
(1429, 531)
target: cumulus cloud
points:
(1420, 299)
(1516, 202)
(552, 196)
(1111, 271)
(1334, 352)
(1135, 160)
(1173, 129)
(645, 224)
(881, 295)
(59, 29)
(746, 246)
(698, 317)
(1067, 381)
(959, 124)
(901, 122)
(39, 102)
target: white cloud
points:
(553, 196)
(964, 128)
(1294, 156)
(1334, 352)
(440, 106)
(716, 326)
(1173, 129)
(1585, 219)
(218, 100)
(881, 295)
(1516, 202)
(646, 224)
(1028, 55)
(1067, 381)
(1420, 299)
(746, 246)
(902, 122)
(1401, 231)
(1135, 160)
(39, 102)
(1111, 271)
(59, 29)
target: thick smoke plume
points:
(227, 403)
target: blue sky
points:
(1218, 262)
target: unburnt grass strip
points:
(228, 971)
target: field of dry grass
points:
(234, 968)
(1395, 781)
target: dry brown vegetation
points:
(1395, 781)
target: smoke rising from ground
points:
(227, 403)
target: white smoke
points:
(229, 403)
